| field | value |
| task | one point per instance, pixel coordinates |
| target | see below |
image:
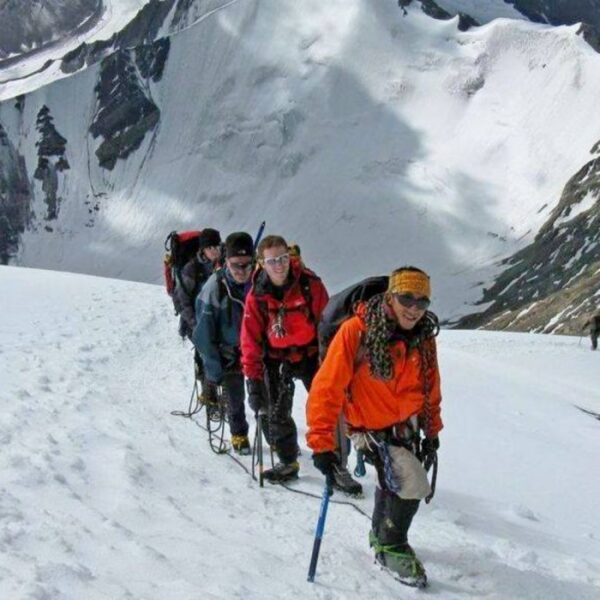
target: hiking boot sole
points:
(349, 493)
(281, 479)
(414, 582)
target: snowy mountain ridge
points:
(416, 141)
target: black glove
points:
(429, 448)
(256, 395)
(325, 462)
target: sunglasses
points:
(408, 301)
(240, 266)
(283, 259)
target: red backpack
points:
(180, 248)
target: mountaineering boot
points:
(282, 472)
(342, 480)
(240, 444)
(210, 399)
(400, 561)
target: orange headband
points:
(410, 282)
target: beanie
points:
(208, 237)
(239, 244)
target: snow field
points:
(103, 494)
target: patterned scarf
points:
(380, 329)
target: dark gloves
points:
(429, 448)
(256, 395)
(325, 462)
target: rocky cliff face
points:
(126, 111)
(52, 161)
(141, 31)
(15, 197)
(553, 285)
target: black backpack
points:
(342, 305)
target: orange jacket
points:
(367, 403)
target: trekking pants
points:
(233, 388)
(278, 424)
(394, 510)
(594, 336)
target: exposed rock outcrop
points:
(15, 198)
(553, 285)
(51, 160)
(126, 111)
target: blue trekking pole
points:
(327, 491)
(259, 234)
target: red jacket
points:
(286, 328)
(341, 385)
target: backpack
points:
(180, 247)
(341, 306)
(294, 252)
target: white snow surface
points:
(104, 494)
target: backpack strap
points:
(361, 352)
(304, 281)
(224, 292)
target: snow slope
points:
(361, 134)
(104, 494)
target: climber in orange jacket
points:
(381, 371)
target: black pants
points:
(594, 336)
(233, 388)
(392, 517)
(278, 424)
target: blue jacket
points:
(219, 312)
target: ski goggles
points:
(409, 301)
(282, 259)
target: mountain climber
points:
(279, 344)
(381, 371)
(219, 311)
(594, 328)
(193, 276)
